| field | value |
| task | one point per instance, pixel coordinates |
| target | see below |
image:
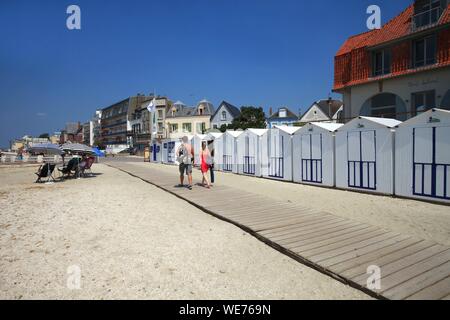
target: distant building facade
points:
(26, 142)
(224, 115)
(323, 111)
(282, 117)
(73, 132)
(115, 124)
(144, 126)
(182, 120)
(401, 69)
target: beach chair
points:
(72, 165)
(87, 168)
(45, 171)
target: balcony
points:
(426, 19)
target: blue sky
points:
(248, 52)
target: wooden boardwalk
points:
(410, 268)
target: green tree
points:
(44, 136)
(251, 117)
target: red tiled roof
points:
(355, 42)
(397, 28)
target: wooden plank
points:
(365, 250)
(412, 271)
(313, 229)
(436, 291)
(420, 282)
(404, 263)
(341, 263)
(245, 210)
(333, 240)
(272, 213)
(288, 229)
(323, 253)
(275, 215)
(307, 225)
(279, 222)
(311, 237)
(383, 260)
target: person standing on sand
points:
(185, 155)
(205, 157)
(211, 167)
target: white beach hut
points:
(214, 143)
(249, 145)
(422, 157)
(277, 153)
(365, 155)
(226, 153)
(197, 146)
(169, 150)
(313, 153)
(155, 151)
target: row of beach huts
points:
(378, 155)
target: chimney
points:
(270, 111)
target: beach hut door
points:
(171, 152)
(276, 159)
(227, 154)
(431, 168)
(249, 156)
(362, 160)
(311, 164)
(154, 152)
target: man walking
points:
(185, 155)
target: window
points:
(424, 51)
(423, 101)
(427, 12)
(136, 128)
(201, 127)
(160, 114)
(200, 110)
(224, 116)
(187, 127)
(384, 105)
(282, 113)
(174, 127)
(381, 62)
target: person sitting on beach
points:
(83, 161)
(185, 155)
(205, 157)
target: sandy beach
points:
(131, 240)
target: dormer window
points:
(201, 110)
(381, 62)
(283, 113)
(427, 13)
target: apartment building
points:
(115, 124)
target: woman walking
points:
(205, 157)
